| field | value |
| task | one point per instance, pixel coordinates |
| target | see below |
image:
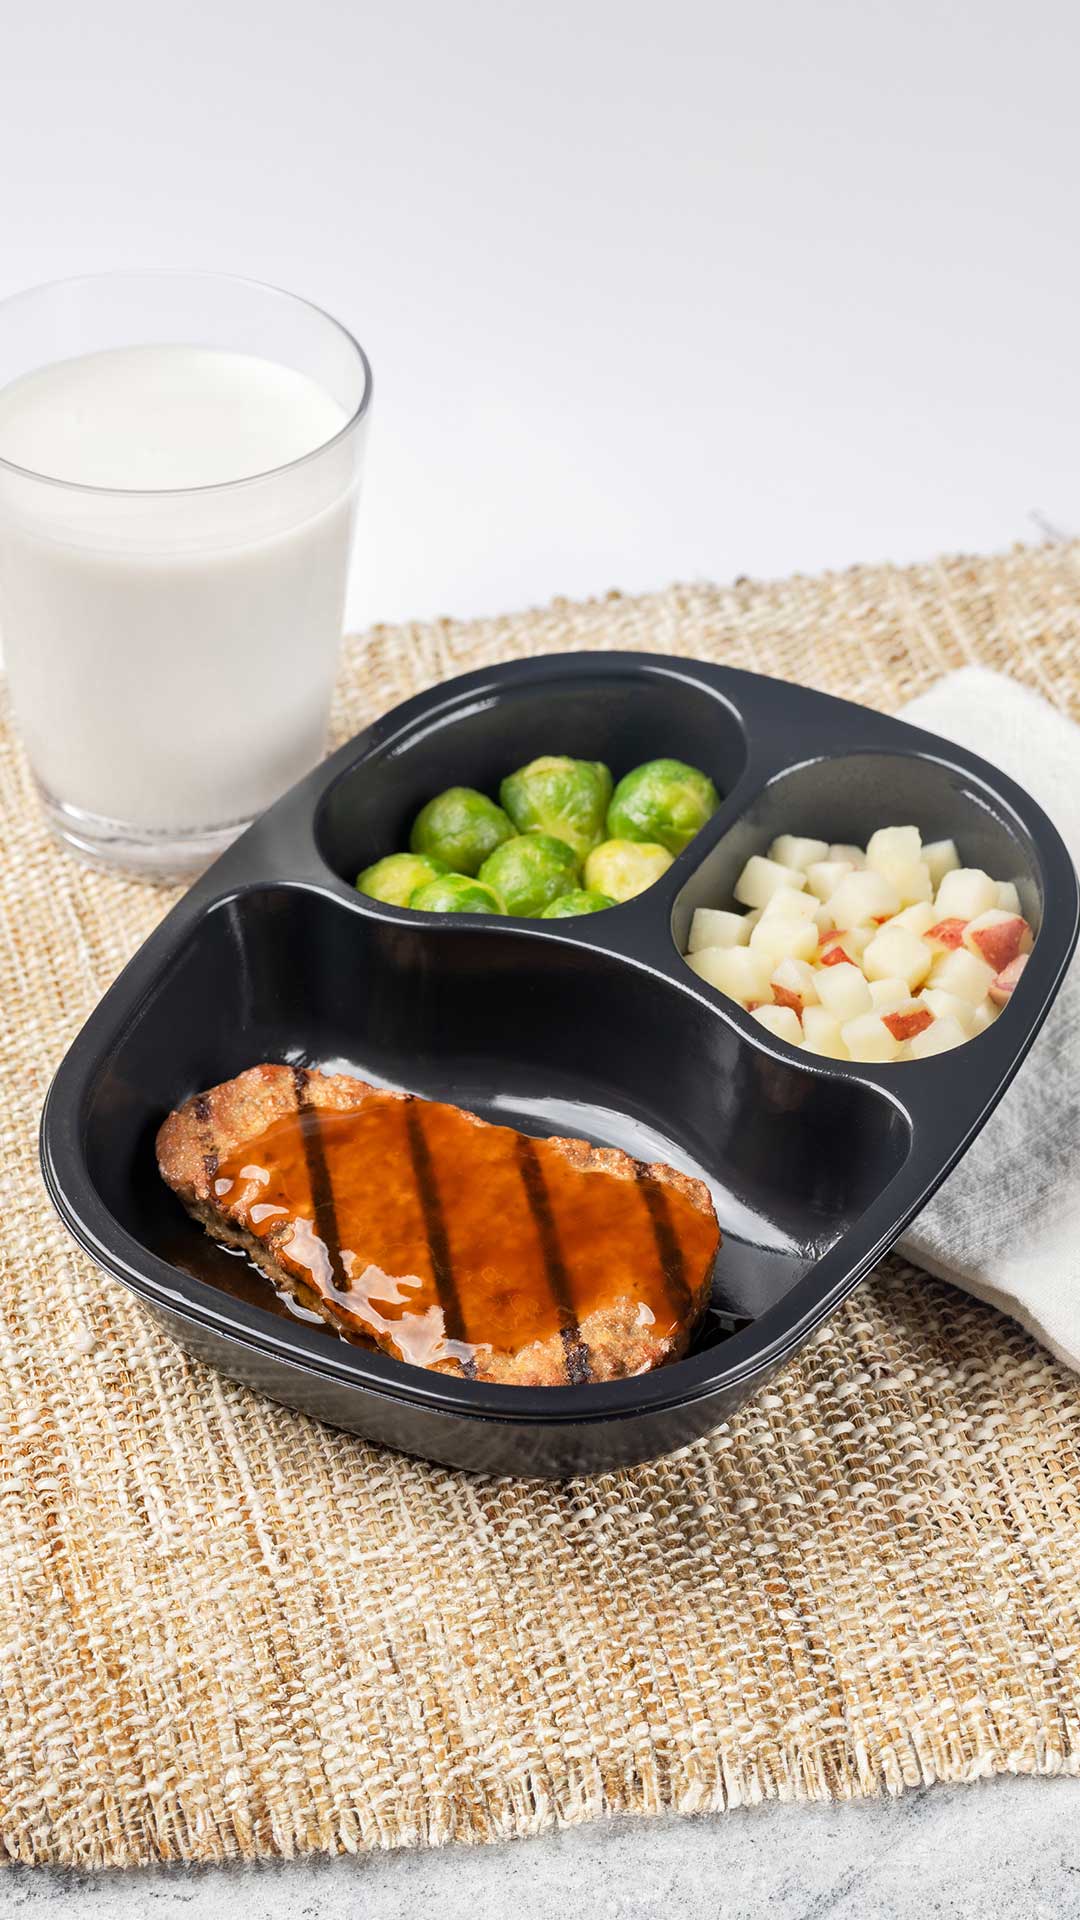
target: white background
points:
(650, 291)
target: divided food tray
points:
(591, 1026)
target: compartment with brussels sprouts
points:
(565, 840)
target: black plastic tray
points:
(594, 1027)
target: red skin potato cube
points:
(999, 945)
(904, 1026)
(832, 953)
(948, 933)
(1001, 988)
(784, 997)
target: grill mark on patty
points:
(323, 1206)
(442, 1266)
(575, 1351)
(669, 1252)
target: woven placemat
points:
(225, 1630)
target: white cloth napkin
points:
(1006, 1224)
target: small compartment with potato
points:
(904, 944)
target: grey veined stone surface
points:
(1007, 1849)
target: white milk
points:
(172, 653)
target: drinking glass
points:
(171, 650)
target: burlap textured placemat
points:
(225, 1630)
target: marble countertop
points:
(1008, 1846)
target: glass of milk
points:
(180, 457)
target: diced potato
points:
(938, 1038)
(887, 994)
(791, 851)
(761, 878)
(909, 878)
(786, 904)
(920, 918)
(965, 892)
(948, 1006)
(997, 937)
(843, 990)
(941, 857)
(781, 1021)
(821, 1034)
(946, 934)
(1003, 983)
(861, 898)
(850, 941)
(907, 1020)
(890, 844)
(964, 974)
(776, 939)
(714, 927)
(824, 876)
(736, 971)
(794, 985)
(868, 1038)
(897, 953)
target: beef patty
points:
(449, 1243)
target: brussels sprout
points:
(664, 801)
(460, 827)
(396, 878)
(566, 798)
(622, 868)
(528, 873)
(579, 901)
(456, 893)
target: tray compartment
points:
(844, 798)
(476, 738)
(547, 1038)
